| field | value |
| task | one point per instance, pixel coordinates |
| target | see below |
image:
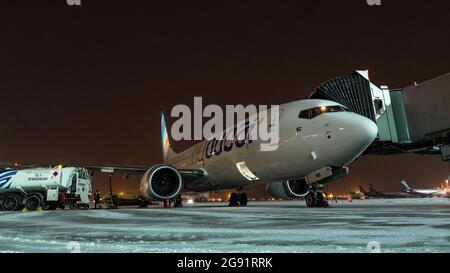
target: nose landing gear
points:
(316, 199)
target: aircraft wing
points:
(23, 165)
(135, 170)
(187, 174)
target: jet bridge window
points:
(379, 106)
(314, 112)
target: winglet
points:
(167, 151)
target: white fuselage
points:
(429, 192)
(305, 145)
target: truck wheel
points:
(11, 202)
(32, 202)
(51, 205)
(83, 206)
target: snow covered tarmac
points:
(401, 225)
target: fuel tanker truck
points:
(48, 188)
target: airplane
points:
(318, 140)
(423, 192)
(373, 193)
(357, 194)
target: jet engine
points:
(288, 189)
(161, 182)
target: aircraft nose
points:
(363, 130)
(356, 133)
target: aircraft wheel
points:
(321, 201)
(243, 199)
(178, 202)
(11, 202)
(32, 202)
(233, 200)
(143, 204)
(311, 199)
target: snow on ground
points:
(400, 225)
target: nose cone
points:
(361, 130)
(355, 134)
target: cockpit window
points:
(314, 112)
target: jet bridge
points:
(414, 119)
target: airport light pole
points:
(110, 188)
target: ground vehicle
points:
(48, 188)
(135, 200)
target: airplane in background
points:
(318, 140)
(373, 193)
(423, 192)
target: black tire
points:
(32, 202)
(321, 200)
(11, 202)
(311, 199)
(178, 202)
(233, 200)
(51, 206)
(243, 199)
(83, 206)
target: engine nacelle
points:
(161, 182)
(288, 189)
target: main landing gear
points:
(238, 199)
(178, 202)
(316, 199)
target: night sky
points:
(85, 85)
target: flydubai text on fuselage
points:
(312, 134)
